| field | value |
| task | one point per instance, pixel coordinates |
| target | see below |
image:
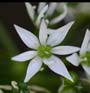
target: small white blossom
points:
(84, 55)
(46, 11)
(43, 50)
(61, 16)
(14, 84)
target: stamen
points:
(44, 51)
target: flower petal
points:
(57, 66)
(27, 37)
(59, 34)
(51, 9)
(61, 16)
(41, 14)
(24, 56)
(64, 50)
(43, 32)
(50, 31)
(87, 69)
(40, 6)
(30, 10)
(33, 67)
(88, 47)
(85, 42)
(74, 59)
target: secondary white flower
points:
(84, 56)
(46, 11)
(43, 50)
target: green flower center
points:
(86, 59)
(44, 51)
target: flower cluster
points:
(47, 11)
(48, 46)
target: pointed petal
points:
(74, 59)
(57, 66)
(27, 37)
(85, 42)
(64, 50)
(51, 9)
(87, 69)
(24, 56)
(51, 31)
(33, 67)
(88, 47)
(40, 6)
(60, 17)
(58, 36)
(43, 32)
(30, 10)
(41, 14)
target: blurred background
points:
(11, 44)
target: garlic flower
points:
(84, 55)
(44, 49)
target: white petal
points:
(85, 42)
(51, 31)
(27, 37)
(60, 17)
(64, 50)
(41, 14)
(74, 59)
(88, 47)
(24, 56)
(87, 69)
(43, 32)
(30, 10)
(57, 66)
(40, 6)
(58, 35)
(51, 9)
(33, 67)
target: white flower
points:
(46, 11)
(43, 50)
(84, 56)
